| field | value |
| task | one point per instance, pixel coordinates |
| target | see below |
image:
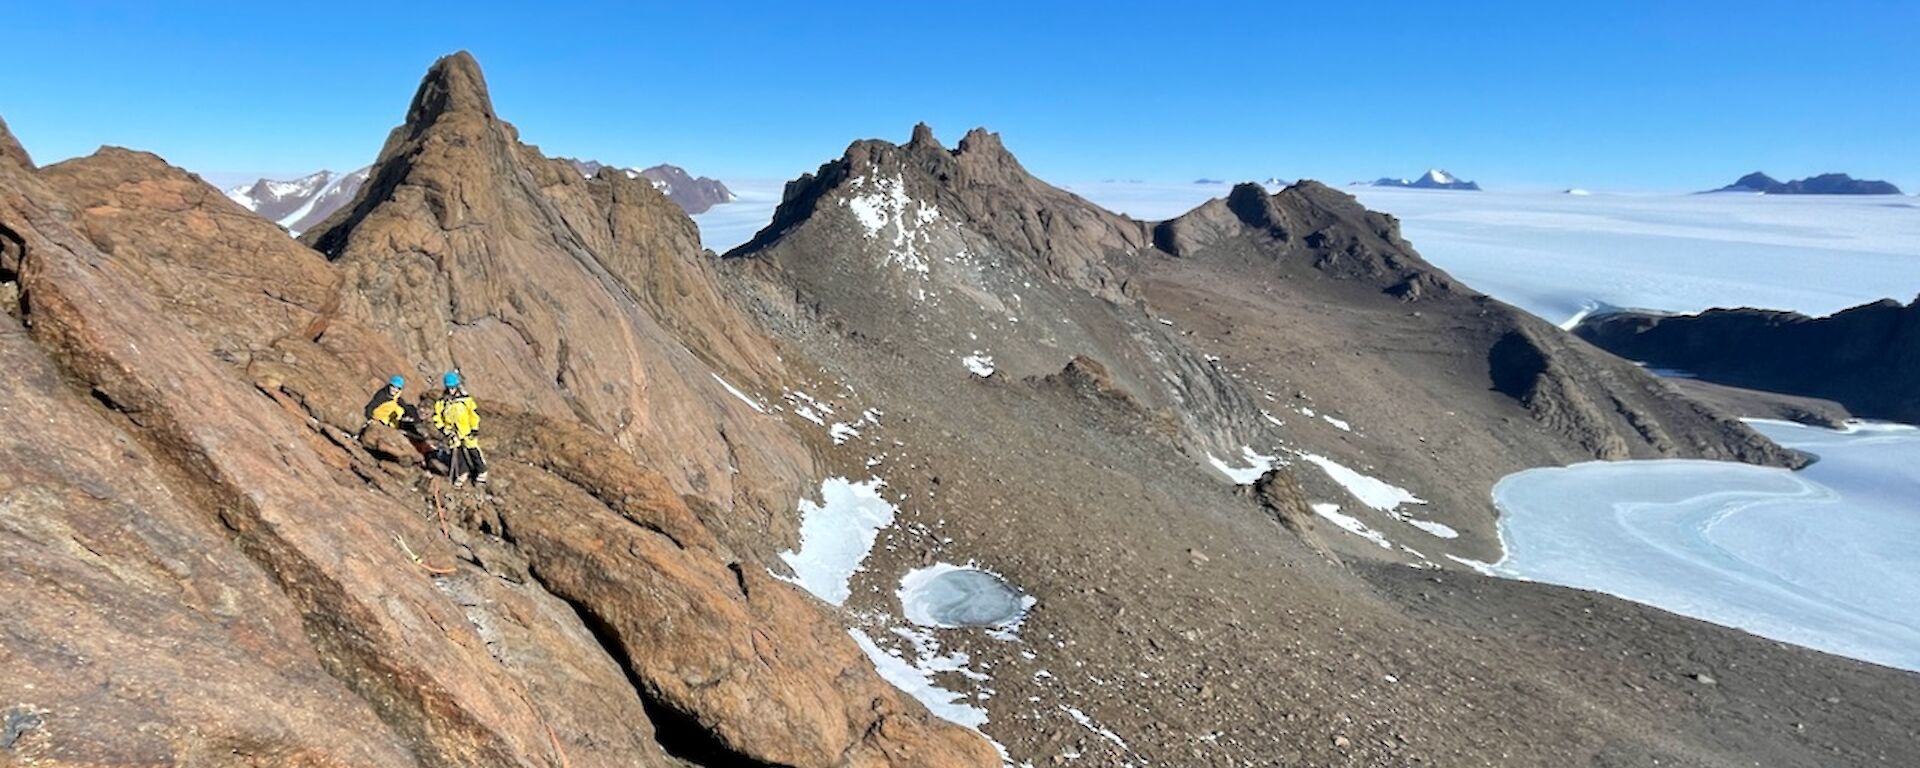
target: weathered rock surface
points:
(238, 578)
(578, 298)
(322, 604)
(1866, 358)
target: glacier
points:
(1823, 557)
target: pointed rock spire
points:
(10, 148)
(453, 84)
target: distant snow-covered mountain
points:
(693, 195)
(300, 203)
(1432, 179)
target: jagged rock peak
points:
(982, 140)
(10, 148)
(453, 84)
(923, 138)
(1251, 203)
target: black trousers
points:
(466, 462)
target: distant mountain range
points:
(694, 195)
(1432, 179)
(1823, 184)
(302, 203)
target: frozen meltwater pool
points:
(1827, 557)
(943, 595)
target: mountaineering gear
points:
(451, 380)
(458, 418)
(397, 382)
(385, 407)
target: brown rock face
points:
(237, 286)
(138, 631)
(221, 573)
(576, 298)
(749, 659)
(10, 149)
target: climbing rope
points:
(417, 560)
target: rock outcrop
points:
(216, 571)
(1823, 184)
(10, 149)
(581, 298)
(1866, 358)
(1308, 229)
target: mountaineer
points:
(385, 406)
(456, 416)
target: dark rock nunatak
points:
(1866, 358)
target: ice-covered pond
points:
(1827, 557)
(943, 595)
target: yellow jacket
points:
(388, 413)
(458, 418)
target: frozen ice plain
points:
(1823, 557)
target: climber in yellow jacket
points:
(385, 406)
(456, 416)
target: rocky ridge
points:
(1029, 384)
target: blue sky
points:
(1626, 95)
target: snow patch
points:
(1351, 524)
(1440, 530)
(917, 680)
(883, 204)
(836, 535)
(751, 403)
(1257, 465)
(1372, 492)
(981, 365)
(1088, 723)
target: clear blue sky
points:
(1622, 95)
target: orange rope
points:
(439, 508)
(417, 560)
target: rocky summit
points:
(947, 466)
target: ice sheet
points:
(1556, 255)
(1824, 557)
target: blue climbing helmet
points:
(452, 379)
(397, 382)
